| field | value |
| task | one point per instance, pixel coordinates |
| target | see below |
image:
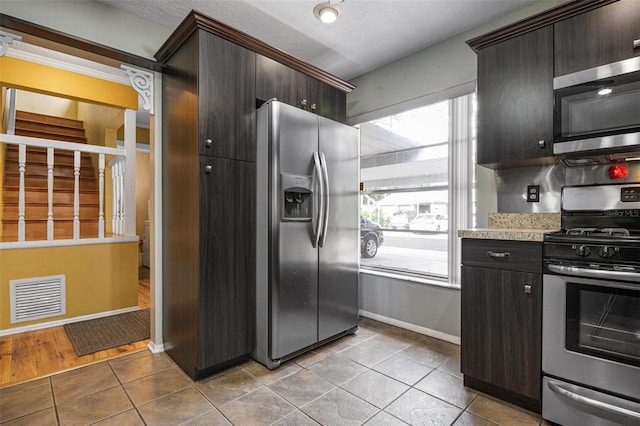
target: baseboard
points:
(57, 323)
(413, 327)
(156, 348)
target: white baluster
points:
(122, 196)
(101, 195)
(50, 161)
(22, 161)
(76, 195)
(114, 198)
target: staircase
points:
(35, 178)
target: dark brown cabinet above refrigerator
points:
(212, 83)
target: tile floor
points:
(382, 375)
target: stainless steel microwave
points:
(597, 111)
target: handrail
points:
(56, 144)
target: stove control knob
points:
(583, 251)
(606, 251)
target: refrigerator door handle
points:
(319, 213)
(325, 222)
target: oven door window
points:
(600, 108)
(604, 322)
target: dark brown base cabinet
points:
(209, 182)
(501, 303)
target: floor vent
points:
(38, 297)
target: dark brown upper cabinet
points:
(597, 37)
(515, 100)
(276, 80)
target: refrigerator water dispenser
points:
(297, 197)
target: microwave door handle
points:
(325, 223)
(319, 213)
(593, 403)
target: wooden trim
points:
(54, 36)
(542, 19)
(196, 20)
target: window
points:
(417, 172)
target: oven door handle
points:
(593, 403)
(595, 273)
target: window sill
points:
(410, 278)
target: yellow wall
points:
(142, 135)
(99, 278)
(47, 105)
(48, 80)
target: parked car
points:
(371, 237)
(429, 222)
(401, 219)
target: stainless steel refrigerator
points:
(307, 231)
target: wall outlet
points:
(533, 193)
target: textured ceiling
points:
(369, 34)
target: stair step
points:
(36, 126)
(49, 119)
(41, 182)
(37, 230)
(39, 155)
(40, 195)
(60, 212)
(59, 171)
(43, 135)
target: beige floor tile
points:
(26, 401)
(41, 418)
(155, 386)
(385, 419)
(375, 388)
(94, 407)
(339, 407)
(261, 407)
(468, 419)
(301, 388)
(229, 386)
(337, 369)
(501, 412)
(212, 418)
(418, 408)
(366, 354)
(85, 383)
(176, 408)
(87, 369)
(390, 343)
(24, 386)
(266, 376)
(130, 368)
(403, 369)
(307, 359)
(441, 346)
(128, 418)
(448, 388)
(424, 355)
(452, 366)
(297, 418)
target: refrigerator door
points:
(294, 260)
(339, 252)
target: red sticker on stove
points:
(618, 172)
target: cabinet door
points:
(330, 102)
(227, 260)
(501, 329)
(515, 99)
(597, 37)
(226, 87)
(274, 80)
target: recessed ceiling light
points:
(327, 12)
(604, 91)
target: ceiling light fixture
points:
(604, 91)
(327, 12)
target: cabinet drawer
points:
(501, 254)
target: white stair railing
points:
(118, 176)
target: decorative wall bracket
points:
(6, 39)
(142, 82)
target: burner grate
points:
(606, 232)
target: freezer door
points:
(294, 277)
(339, 251)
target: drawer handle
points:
(527, 289)
(208, 168)
(499, 254)
(636, 43)
(208, 142)
(542, 143)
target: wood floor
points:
(25, 356)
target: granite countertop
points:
(515, 226)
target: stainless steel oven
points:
(591, 309)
